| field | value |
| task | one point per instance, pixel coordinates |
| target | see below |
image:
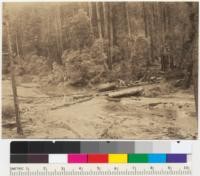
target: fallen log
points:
(69, 104)
(106, 87)
(136, 84)
(126, 92)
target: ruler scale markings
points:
(130, 173)
(115, 162)
(162, 172)
(188, 172)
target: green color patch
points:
(137, 158)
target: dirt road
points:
(167, 117)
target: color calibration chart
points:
(105, 158)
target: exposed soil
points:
(167, 116)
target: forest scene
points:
(106, 70)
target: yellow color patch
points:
(117, 158)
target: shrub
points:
(32, 65)
(37, 65)
(56, 75)
(84, 66)
(97, 51)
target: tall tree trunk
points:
(162, 23)
(90, 16)
(58, 35)
(163, 33)
(105, 16)
(169, 33)
(57, 43)
(14, 88)
(145, 19)
(154, 28)
(159, 27)
(48, 37)
(150, 24)
(21, 40)
(61, 33)
(17, 44)
(195, 54)
(60, 29)
(110, 35)
(127, 50)
(195, 71)
(193, 46)
(128, 20)
(164, 18)
(99, 20)
(146, 30)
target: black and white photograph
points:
(100, 70)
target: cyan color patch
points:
(157, 158)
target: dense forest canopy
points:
(89, 42)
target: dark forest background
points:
(86, 43)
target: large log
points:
(106, 87)
(126, 92)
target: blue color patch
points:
(157, 158)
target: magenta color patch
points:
(77, 158)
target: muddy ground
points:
(167, 116)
